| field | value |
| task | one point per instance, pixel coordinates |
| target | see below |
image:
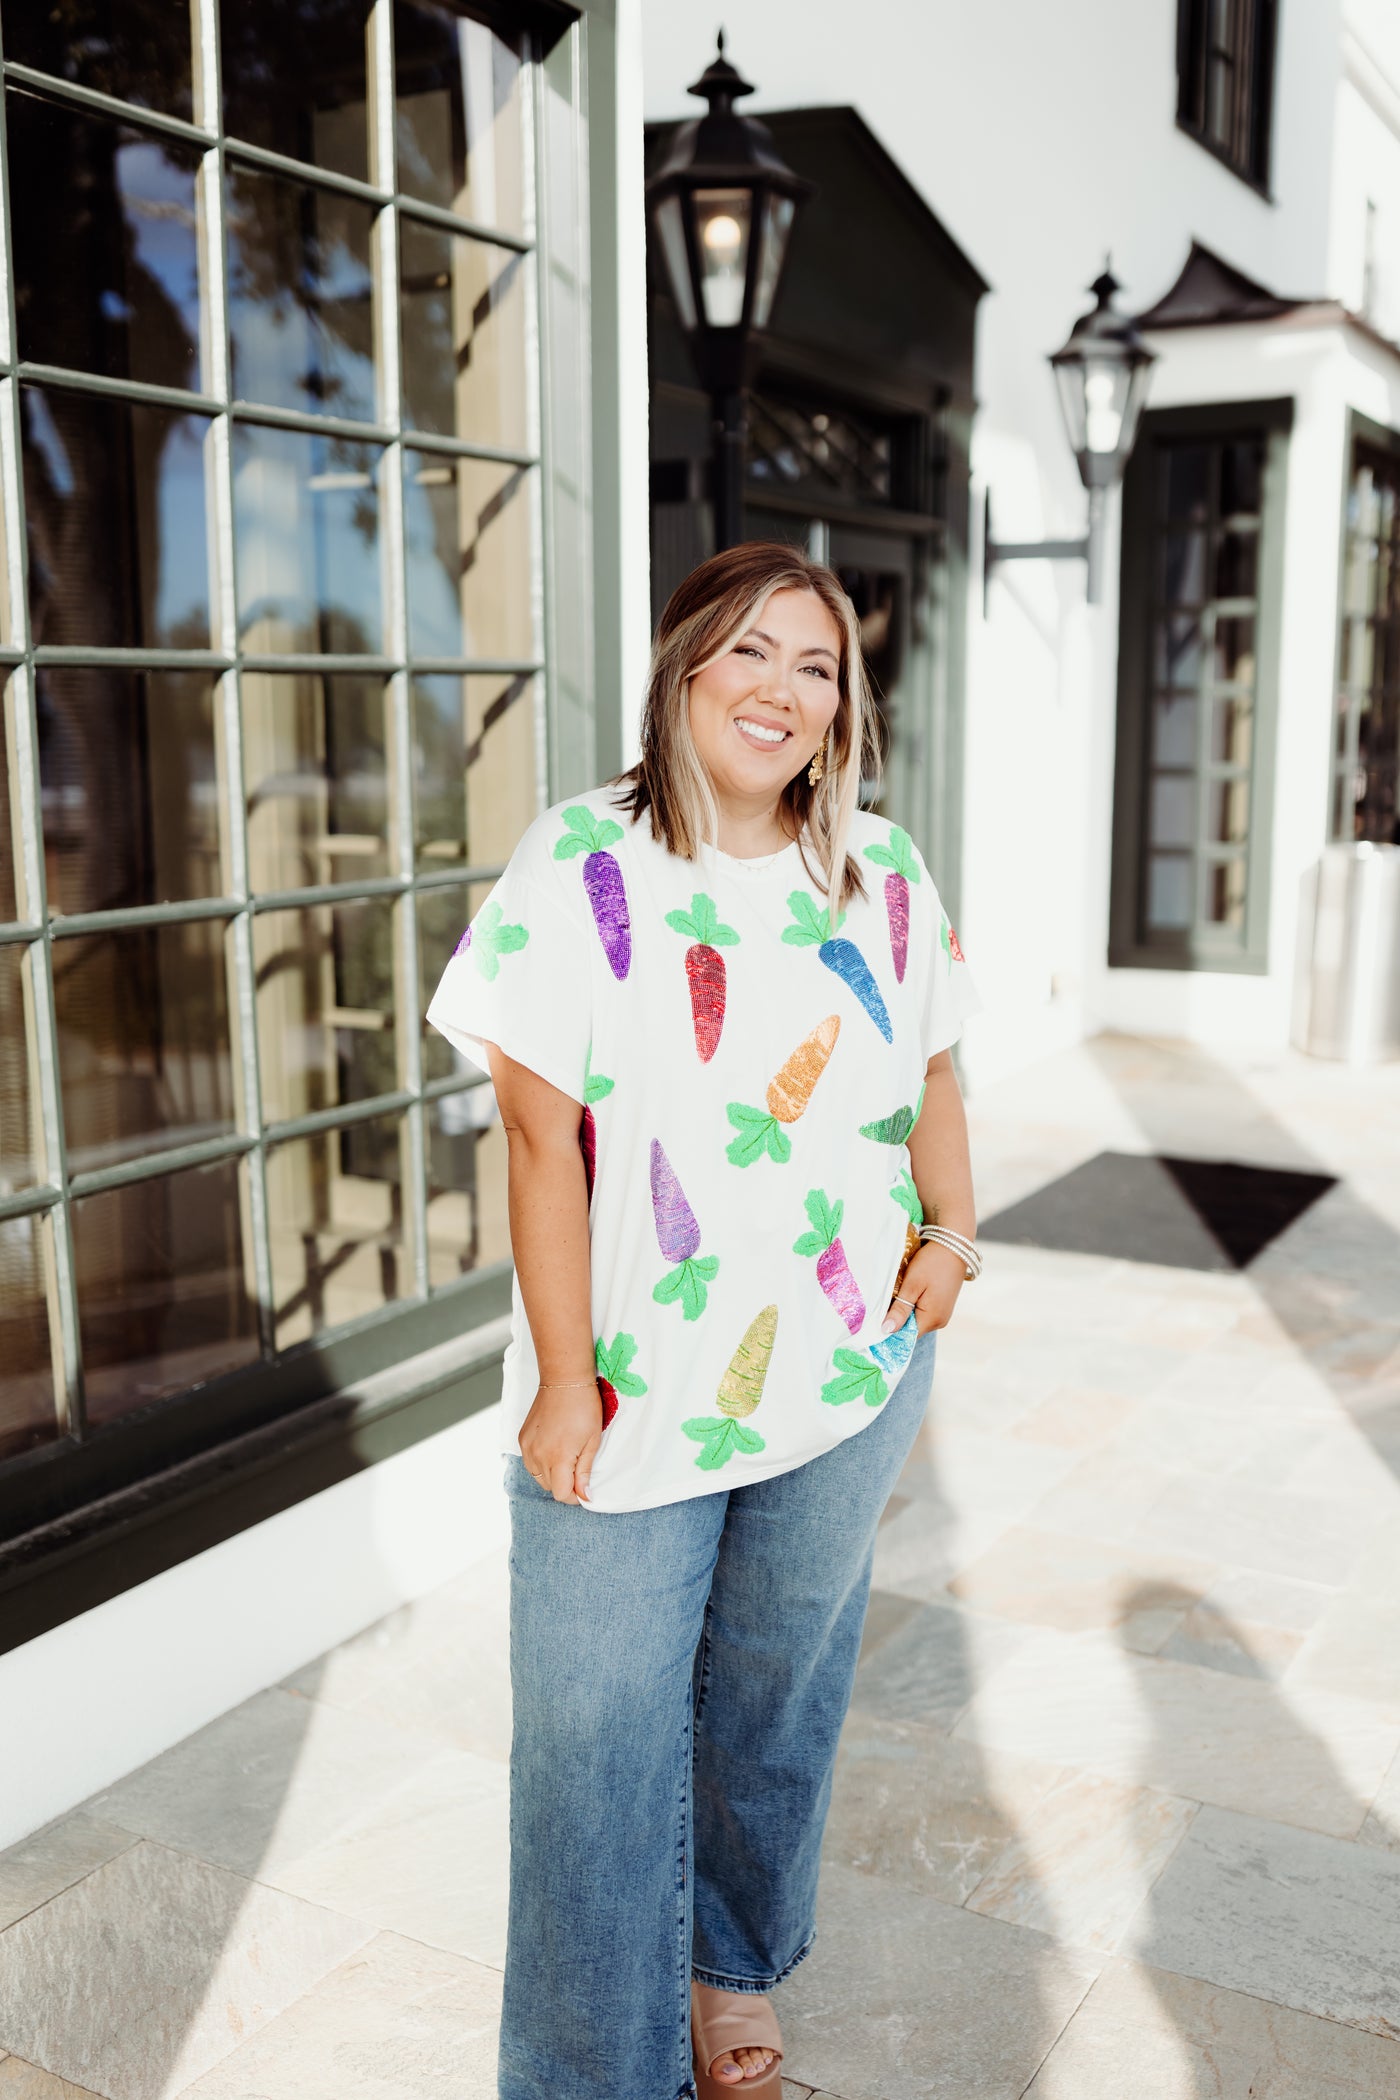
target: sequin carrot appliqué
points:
(833, 1270)
(843, 958)
(613, 1361)
(678, 1237)
(789, 1091)
(602, 880)
(488, 938)
(740, 1391)
(898, 857)
(596, 1087)
(704, 967)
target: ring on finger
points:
(912, 1303)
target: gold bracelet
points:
(563, 1385)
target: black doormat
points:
(1180, 1213)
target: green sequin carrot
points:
(740, 1391)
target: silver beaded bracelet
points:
(957, 1243)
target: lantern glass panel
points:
(1106, 382)
(1137, 395)
(1069, 378)
(778, 215)
(670, 225)
(723, 229)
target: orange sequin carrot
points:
(759, 1129)
(791, 1090)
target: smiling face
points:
(760, 710)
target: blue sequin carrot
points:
(843, 958)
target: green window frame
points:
(288, 1393)
(1199, 634)
(1365, 798)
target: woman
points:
(716, 1000)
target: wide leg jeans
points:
(680, 1679)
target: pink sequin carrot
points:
(833, 1269)
(898, 857)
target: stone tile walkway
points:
(1118, 1810)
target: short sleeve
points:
(520, 978)
(950, 995)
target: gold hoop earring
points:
(817, 769)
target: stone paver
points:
(1118, 1805)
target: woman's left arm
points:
(942, 1170)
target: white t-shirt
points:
(748, 1086)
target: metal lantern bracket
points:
(1088, 549)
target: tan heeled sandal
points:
(726, 2020)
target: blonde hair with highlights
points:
(705, 616)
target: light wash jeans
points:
(681, 1676)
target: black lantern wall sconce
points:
(1102, 375)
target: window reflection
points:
(325, 999)
(143, 1040)
(106, 270)
(128, 787)
(464, 357)
(26, 1356)
(300, 306)
(294, 79)
(164, 1299)
(115, 508)
(460, 142)
(9, 874)
(314, 759)
(467, 532)
(337, 1227)
(306, 529)
(468, 1226)
(19, 1162)
(443, 917)
(137, 50)
(474, 764)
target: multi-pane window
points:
(1196, 675)
(1205, 641)
(1225, 80)
(271, 629)
(1366, 749)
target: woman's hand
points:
(559, 1439)
(929, 1289)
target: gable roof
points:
(1210, 291)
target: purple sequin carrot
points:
(833, 1269)
(678, 1236)
(677, 1233)
(898, 857)
(602, 879)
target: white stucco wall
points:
(1045, 138)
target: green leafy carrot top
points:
(898, 855)
(586, 834)
(702, 923)
(613, 1360)
(826, 1219)
(810, 927)
(596, 1086)
(492, 938)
